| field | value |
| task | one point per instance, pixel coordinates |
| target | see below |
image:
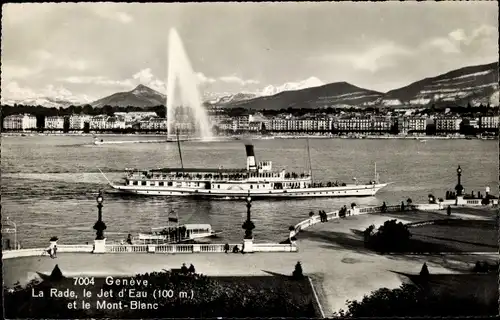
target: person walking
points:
(226, 247)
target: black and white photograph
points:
(250, 159)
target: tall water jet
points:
(185, 111)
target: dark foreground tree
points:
(410, 301)
(207, 298)
(391, 237)
(297, 273)
(424, 271)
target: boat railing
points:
(211, 177)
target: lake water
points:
(49, 182)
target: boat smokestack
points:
(251, 163)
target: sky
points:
(85, 51)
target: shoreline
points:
(254, 137)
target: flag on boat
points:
(170, 219)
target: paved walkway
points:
(330, 253)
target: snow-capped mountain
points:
(42, 101)
(337, 94)
(141, 96)
(227, 98)
(292, 86)
(474, 84)
(234, 97)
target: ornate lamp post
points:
(99, 226)
(459, 188)
(9, 227)
(248, 224)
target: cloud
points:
(458, 41)
(146, 77)
(123, 17)
(203, 79)
(17, 72)
(457, 35)
(42, 55)
(98, 80)
(372, 59)
(108, 11)
(480, 43)
(13, 91)
(235, 79)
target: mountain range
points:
(473, 84)
(141, 96)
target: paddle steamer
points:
(257, 180)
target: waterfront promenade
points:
(330, 254)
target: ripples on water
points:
(49, 183)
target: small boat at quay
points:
(257, 180)
(176, 234)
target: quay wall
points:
(219, 248)
(378, 209)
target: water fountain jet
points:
(181, 76)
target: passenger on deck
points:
(184, 269)
(129, 239)
(226, 247)
(236, 249)
(384, 207)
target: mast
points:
(309, 160)
(179, 146)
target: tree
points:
(367, 233)
(424, 271)
(412, 301)
(430, 129)
(409, 202)
(297, 273)
(66, 124)
(108, 110)
(390, 237)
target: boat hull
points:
(329, 192)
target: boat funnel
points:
(251, 164)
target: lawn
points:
(457, 235)
(450, 234)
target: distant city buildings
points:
(489, 122)
(19, 122)
(447, 124)
(77, 121)
(54, 123)
(341, 123)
